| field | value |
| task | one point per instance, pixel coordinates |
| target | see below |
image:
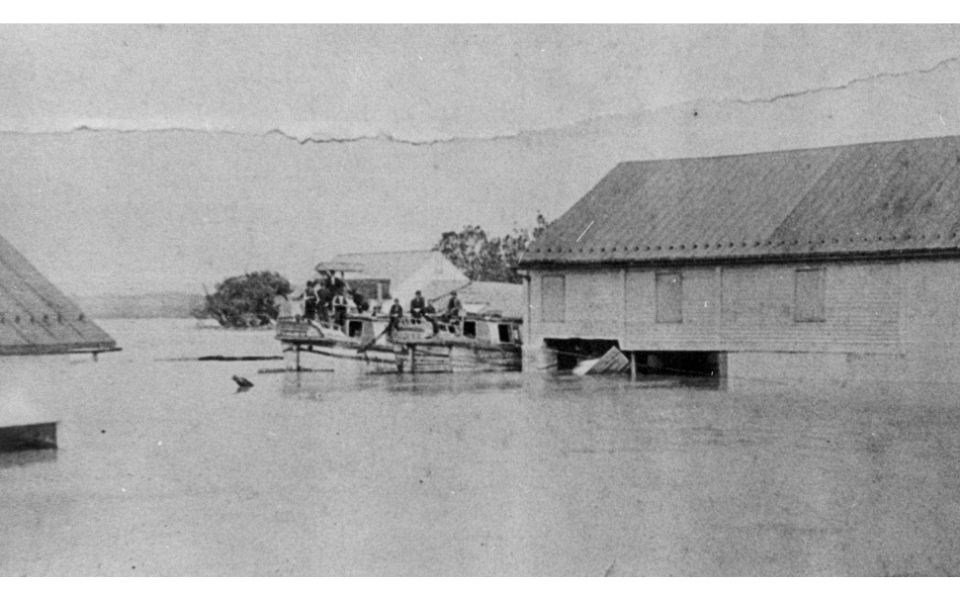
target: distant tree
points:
(246, 300)
(485, 258)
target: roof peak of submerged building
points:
(867, 199)
(36, 317)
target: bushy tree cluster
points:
(246, 300)
(485, 258)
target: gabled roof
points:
(887, 198)
(489, 297)
(36, 317)
(437, 291)
(343, 267)
(395, 266)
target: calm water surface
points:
(164, 469)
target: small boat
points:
(487, 342)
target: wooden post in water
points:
(297, 346)
(633, 366)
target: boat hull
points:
(310, 357)
(311, 345)
(434, 359)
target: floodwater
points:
(165, 469)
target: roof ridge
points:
(865, 199)
(38, 318)
(788, 150)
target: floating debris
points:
(612, 362)
(301, 370)
(220, 357)
(242, 381)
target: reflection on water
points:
(20, 458)
(164, 469)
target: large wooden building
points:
(836, 263)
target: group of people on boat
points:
(422, 310)
(329, 300)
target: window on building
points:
(809, 296)
(669, 298)
(553, 292)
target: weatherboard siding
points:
(860, 306)
(595, 302)
(743, 308)
(930, 319)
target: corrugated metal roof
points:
(36, 317)
(865, 199)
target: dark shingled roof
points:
(36, 317)
(865, 200)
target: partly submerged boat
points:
(476, 343)
(486, 341)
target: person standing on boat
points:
(295, 300)
(430, 314)
(416, 307)
(454, 309)
(396, 313)
(340, 309)
(283, 306)
(360, 302)
(309, 301)
(323, 297)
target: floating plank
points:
(613, 361)
(220, 358)
(292, 370)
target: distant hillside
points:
(140, 306)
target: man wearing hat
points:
(454, 310)
(416, 307)
(396, 313)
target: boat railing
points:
(296, 328)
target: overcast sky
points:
(147, 158)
